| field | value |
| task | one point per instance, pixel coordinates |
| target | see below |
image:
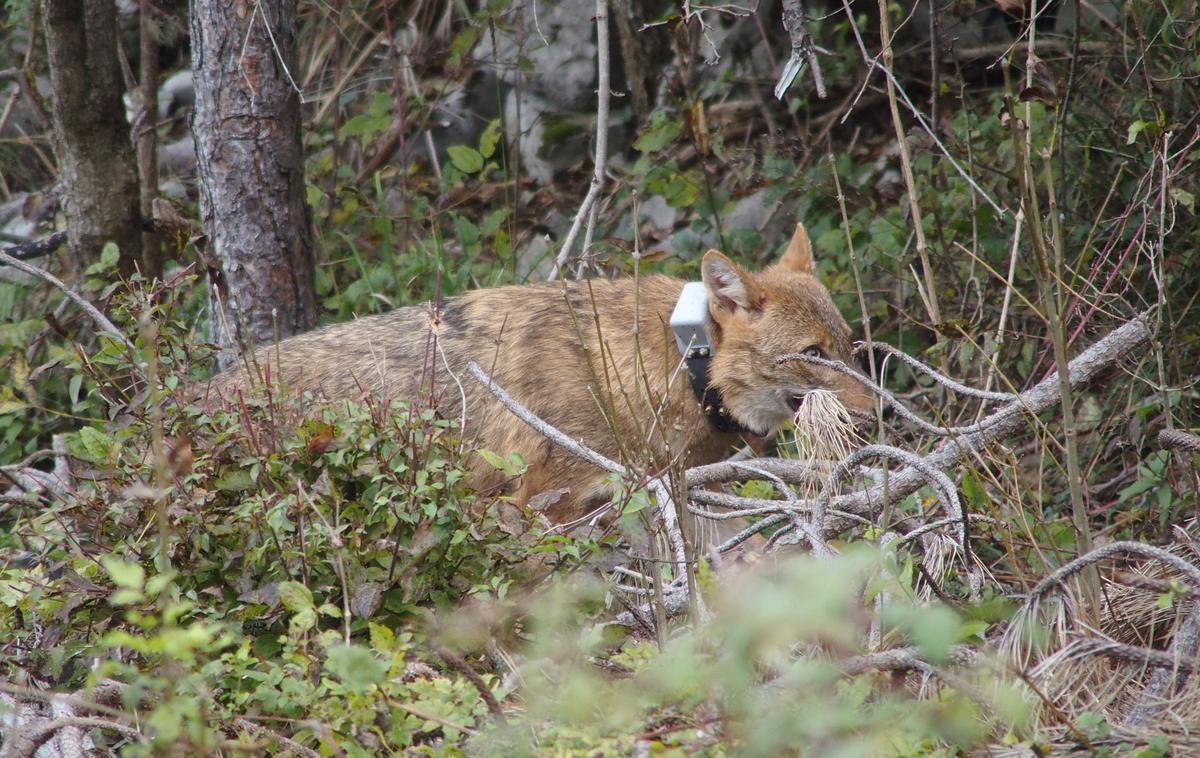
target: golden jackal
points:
(597, 360)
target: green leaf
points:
(110, 254)
(295, 596)
(383, 638)
(126, 575)
(74, 386)
(1136, 128)
(495, 461)
(662, 132)
(462, 44)
(159, 582)
(1184, 198)
(465, 159)
(489, 138)
(236, 481)
(98, 447)
(467, 232)
(355, 666)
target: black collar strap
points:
(691, 324)
(709, 397)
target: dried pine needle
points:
(824, 429)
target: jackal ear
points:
(798, 257)
(729, 288)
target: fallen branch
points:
(36, 248)
(1173, 666)
(1114, 347)
(905, 659)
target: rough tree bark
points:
(91, 135)
(246, 125)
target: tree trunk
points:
(246, 125)
(91, 135)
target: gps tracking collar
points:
(690, 323)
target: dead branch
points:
(37, 248)
(578, 449)
(266, 734)
(934, 374)
(905, 659)
(1058, 577)
(91, 310)
(456, 662)
(1009, 419)
(1175, 439)
(1174, 675)
(657, 487)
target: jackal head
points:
(758, 317)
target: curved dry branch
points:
(902, 410)
(91, 310)
(1117, 345)
(1070, 568)
(934, 374)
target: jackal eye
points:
(814, 352)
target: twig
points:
(1115, 346)
(802, 51)
(22, 79)
(946, 493)
(1156, 659)
(286, 742)
(1173, 438)
(100, 319)
(578, 449)
(455, 661)
(905, 659)
(1181, 654)
(1059, 575)
(938, 377)
(603, 94)
(914, 202)
(887, 72)
(901, 410)
(37, 248)
(25, 740)
(573, 447)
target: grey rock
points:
(176, 93)
(177, 158)
(655, 211)
(535, 259)
(558, 40)
(547, 140)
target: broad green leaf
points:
(110, 254)
(295, 596)
(97, 445)
(355, 666)
(465, 159)
(489, 138)
(127, 575)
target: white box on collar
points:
(690, 320)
